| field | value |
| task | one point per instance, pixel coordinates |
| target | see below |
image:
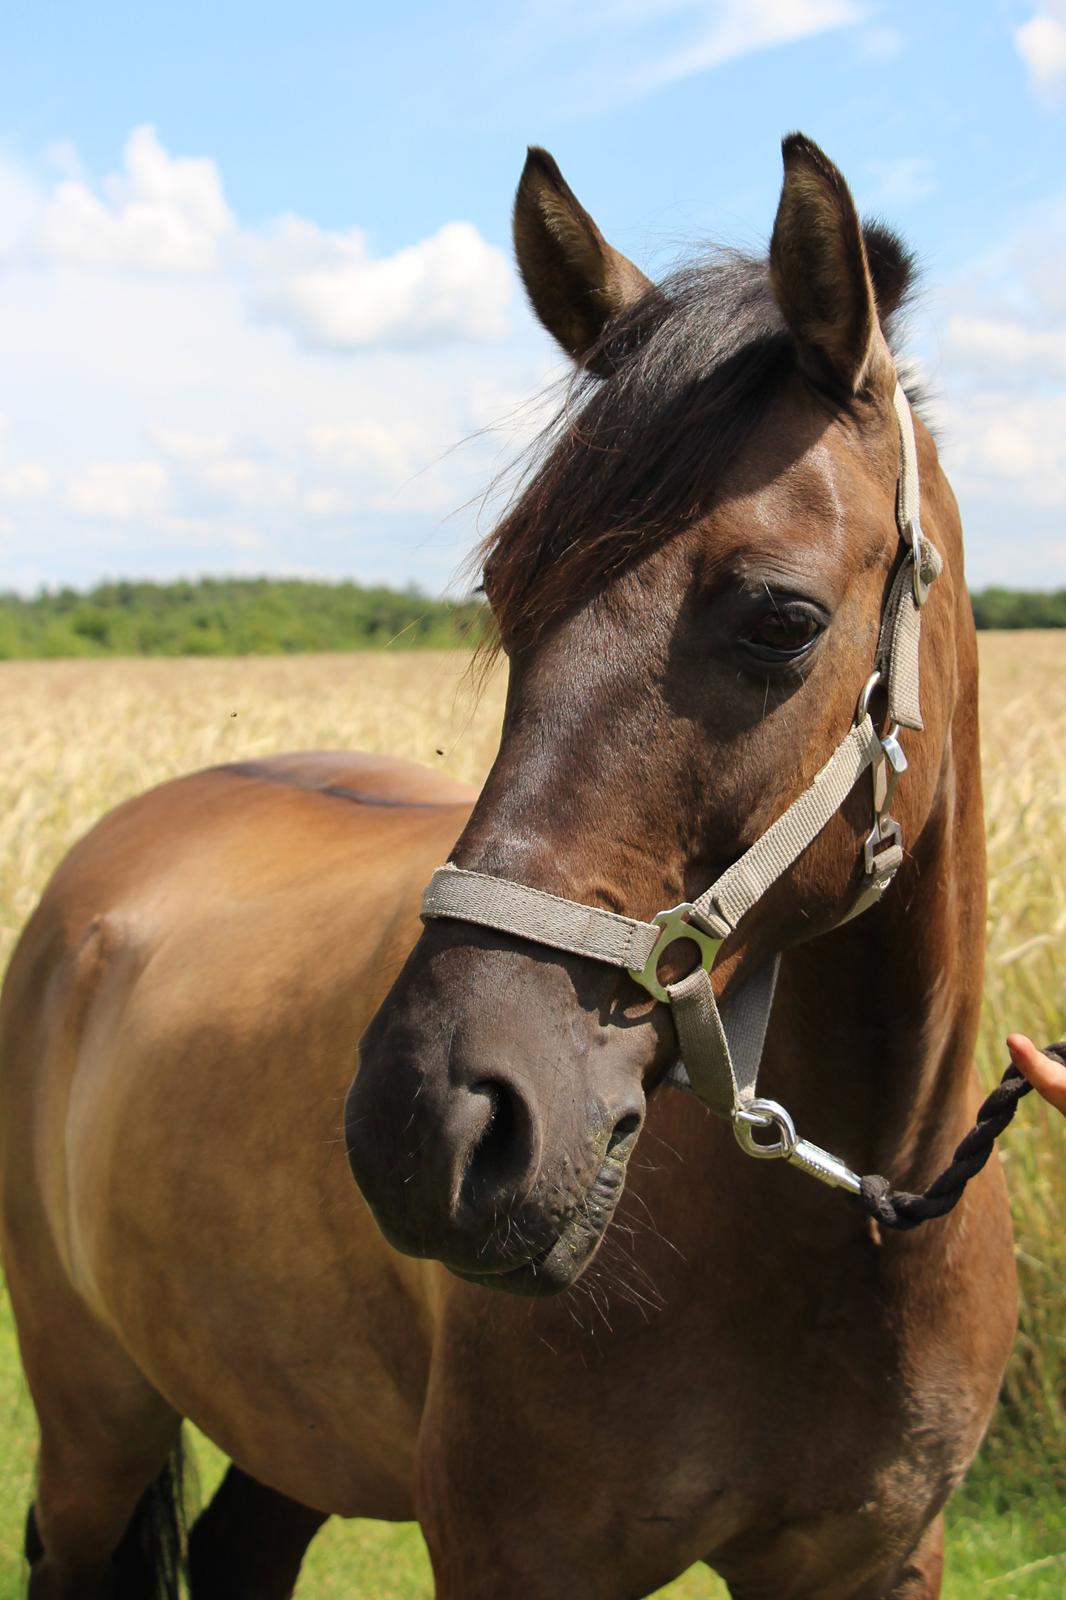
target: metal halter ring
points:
(864, 698)
(917, 543)
(764, 1114)
(675, 926)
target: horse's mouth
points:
(561, 1263)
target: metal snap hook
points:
(809, 1158)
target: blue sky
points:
(255, 283)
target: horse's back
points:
(177, 1030)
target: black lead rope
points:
(895, 1208)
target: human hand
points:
(1045, 1074)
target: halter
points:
(720, 1056)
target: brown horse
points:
(689, 590)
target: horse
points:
(559, 1318)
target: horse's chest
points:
(816, 1410)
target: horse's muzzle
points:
(485, 1137)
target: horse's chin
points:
(563, 1261)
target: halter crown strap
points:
(721, 1056)
(898, 646)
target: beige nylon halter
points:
(720, 1056)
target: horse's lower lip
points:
(557, 1266)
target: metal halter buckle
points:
(675, 925)
(885, 774)
(885, 832)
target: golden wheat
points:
(80, 736)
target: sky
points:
(257, 307)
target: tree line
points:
(228, 616)
(1019, 608)
(271, 616)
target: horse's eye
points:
(787, 630)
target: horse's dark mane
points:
(633, 457)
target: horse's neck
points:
(875, 1025)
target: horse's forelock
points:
(634, 457)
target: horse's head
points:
(689, 592)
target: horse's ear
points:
(577, 283)
(820, 275)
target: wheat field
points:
(78, 737)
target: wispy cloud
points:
(729, 29)
(1007, 347)
(620, 51)
(903, 181)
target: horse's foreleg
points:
(923, 1571)
(93, 1527)
(249, 1543)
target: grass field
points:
(80, 736)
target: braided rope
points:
(895, 1208)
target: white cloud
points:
(1041, 43)
(999, 441)
(20, 206)
(21, 479)
(989, 344)
(326, 503)
(213, 535)
(190, 446)
(401, 464)
(167, 215)
(173, 379)
(119, 490)
(336, 296)
(161, 214)
(386, 452)
(244, 483)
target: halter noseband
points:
(720, 1057)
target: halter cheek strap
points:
(720, 1055)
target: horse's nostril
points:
(501, 1152)
(624, 1128)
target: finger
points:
(1045, 1075)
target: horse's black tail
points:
(152, 1559)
